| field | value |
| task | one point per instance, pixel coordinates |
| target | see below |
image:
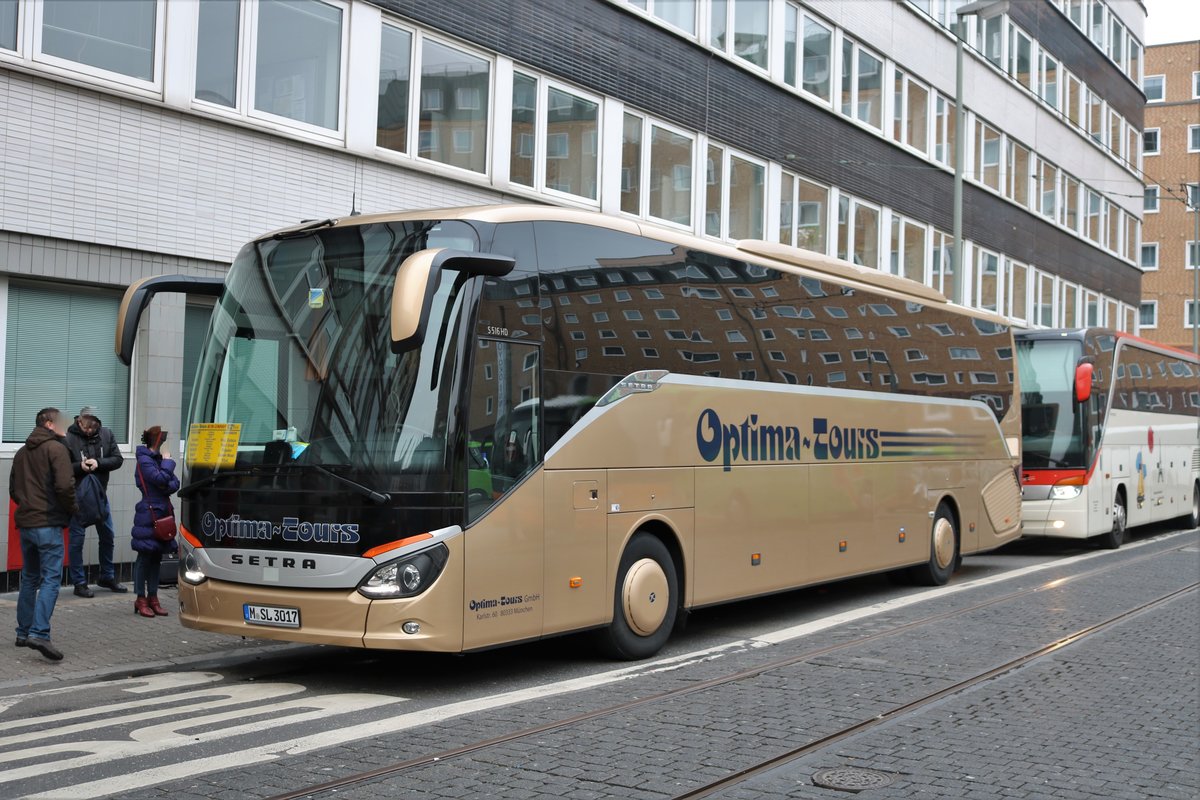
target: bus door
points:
(504, 516)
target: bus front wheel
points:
(645, 602)
(943, 550)
(1116, 537)
(1193, 519)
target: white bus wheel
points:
(645, 600)
(943, 550)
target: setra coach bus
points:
(1111, 433)
(455, 429)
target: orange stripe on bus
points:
(192, 540)
(396, 545)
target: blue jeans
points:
(145, 573)
(104, 529)
(41, 573)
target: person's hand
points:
(164, 451)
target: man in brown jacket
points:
(43, 485)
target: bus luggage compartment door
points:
(576, 575)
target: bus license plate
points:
(271, 615)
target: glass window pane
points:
(54, 357)
(866, 236)
(745, 199)
(870, 89)
(811, 215)
(118, 37)
(395, 84)
(680, 13)
(847, 76)
(714, 168)
(790, 24)
(8, 24)
(918, 117)
(524, 118)
(914, 252)
(217, 52)
(718, 20)
(454, 101)
(818, 44)
(631, 165)
(298, 73)
(670, 176)
(1016, 296)
(787, 208)
(195, 328)
(571, 144)
(751, 22)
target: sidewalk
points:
(102, 637)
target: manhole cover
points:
(851, 779)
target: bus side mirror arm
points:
(1083, 382)
(140, 293)
(417, 280)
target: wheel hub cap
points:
(943, 542)
(645, 596)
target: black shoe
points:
(82, 590)
(111, 584)
(46, 648)
(21, 642)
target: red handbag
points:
(164, 527)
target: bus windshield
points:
(1052, 432)
(299, 359)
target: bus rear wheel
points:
(1193, 520)
(943, 550)
(1115, 537)
(645, 601)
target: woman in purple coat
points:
(155, 476)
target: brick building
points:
(142, 137)
(1170, 252)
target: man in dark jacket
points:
(44, 490)
(93, 451)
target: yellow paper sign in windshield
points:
(213, 444)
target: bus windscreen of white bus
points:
(1051, 428)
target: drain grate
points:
(851, 779)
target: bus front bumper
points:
(1065, 519)
(340, 617)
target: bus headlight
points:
(1065, 492)
(192, 573)
(407, 576)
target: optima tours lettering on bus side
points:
(751, 441)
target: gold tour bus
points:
(1111, 433)
(455, 429)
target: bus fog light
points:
(407, 576)
(1058, 524)
(412, 628)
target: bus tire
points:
(645, 600)
(943, 550)
(1115, 537)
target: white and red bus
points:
(1110, 433)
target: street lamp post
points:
(985, 9)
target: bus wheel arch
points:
(945, 546)
(643, 617)
(1194, 517)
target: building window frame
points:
(1151, 136)
(92, 74)
(1148, 315)
(1155, 88)
(1148, 259)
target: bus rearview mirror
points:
(1083, 382)
(417, 281)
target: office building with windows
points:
(1170, 250)
(145, 137)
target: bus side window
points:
(505, 420)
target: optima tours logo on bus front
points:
(752, 441)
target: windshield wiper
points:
(378, 498)
(217, 476)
